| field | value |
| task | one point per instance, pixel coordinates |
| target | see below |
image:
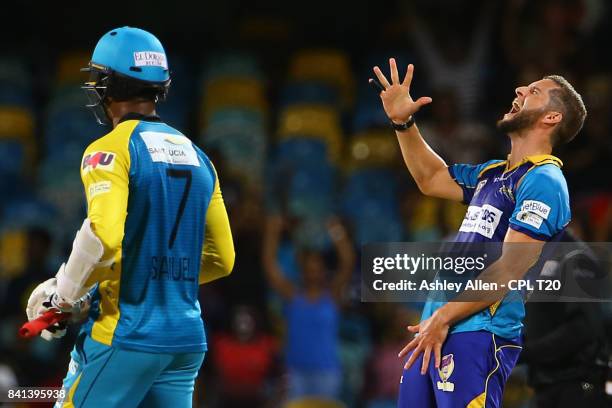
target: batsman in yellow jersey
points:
(156, 228)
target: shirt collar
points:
(139, 116)
(537, 159)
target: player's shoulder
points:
(109, 151)
(206, 160)
(489, 165)
(546, 176)
(182, 138)
(115, 140)
(545, 182)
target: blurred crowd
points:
(310, 171)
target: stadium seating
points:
(233, 114)
(176, 110)
(327, 66)
(232, 64)
(239, 134)
(314, 402)
(301, 152)
(308, 92)
(15, 83)
(373, 149)
(370, 195)
(225, 92)
(310, 191)
(69, 66)
(312, 121)
(12, 252)
(17, 142)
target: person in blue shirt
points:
(522, 202)
(311, 311)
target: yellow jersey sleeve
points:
(105, 174)
(218, 249)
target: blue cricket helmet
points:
(134, 53)
(126, 56)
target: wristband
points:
(403, 126)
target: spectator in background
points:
(454, 136)
(543, 34)
(591, 161)
(384, 367)
(244, 359)
(311, 310)
(447, 59)
(566, 348)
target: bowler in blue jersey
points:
(464, 351)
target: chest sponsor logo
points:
(169, 148)
(150, 59)
(536, 207)
(98, 161)
(482, 220)
(507, 192)
(479, 187)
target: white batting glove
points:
(39, 303)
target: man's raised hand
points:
(395, 96)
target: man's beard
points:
(521, 121)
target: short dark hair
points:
(566, 100)
(122, 88)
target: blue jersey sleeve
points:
(542, 203)
(466, 175)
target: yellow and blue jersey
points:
(155, 202)
(531, 197)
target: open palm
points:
(396, 99)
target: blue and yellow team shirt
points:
(154, 201)
(530, 197)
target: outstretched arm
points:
(346, 257)
(428, 169)
(276, 278)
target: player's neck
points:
(119, 109)
(523, 146)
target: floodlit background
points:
(277, 94)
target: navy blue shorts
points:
(474, 369)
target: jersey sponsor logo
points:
(536, 207)
(482, 220)
(99, 188)
(507, 191)
(150, 59)
(479, 187)
(447, 366)
(98, 160)
(169, 148)
(530, 218)
(176, 140)
(73, 367)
